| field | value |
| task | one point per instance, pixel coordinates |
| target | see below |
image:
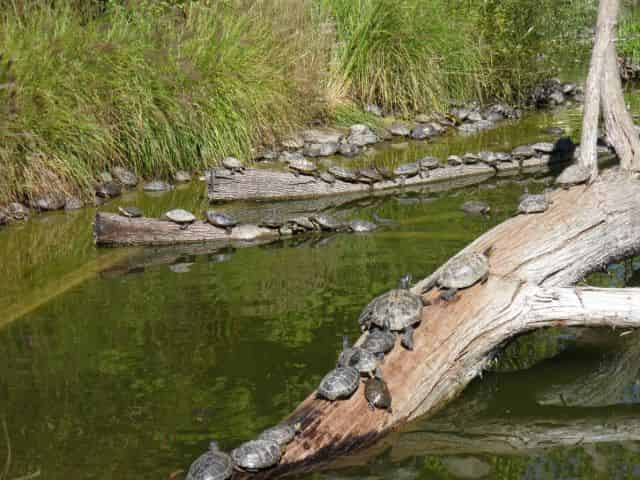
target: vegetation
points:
(158, 86)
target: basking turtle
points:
(257, 455)
(221, 220)
(463, 271)
(344, 359)
(428, 163)
(180, 216)
(475, 207)
(281, 434)
(379, 341)
(573, 175)
(327, 178)
(369, 175)
(233, 165)
(130, 212)
(213, 465)
(343, 173)
(303, 166)
(532, 203)
(340, 382)
(301, 223)
(325, 222)
(377, 393)
(362, 226)
(385, 173)
(406, 170)
(364, 361)
(397, 310)
(156, 186)
(271, 222)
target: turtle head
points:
(213, 446)
(345, 342)
(378, 373)
(404, 282)
(297, 426)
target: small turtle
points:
(428, 163)
(379, 341)
(573, 175)
(213, 465)
(221, 220)
(301, 223)
(340, 382)
(303, 166)
(463, 271)
(219, 172)
(233, 165)
(362, 226)
(364, 361)
(180, 216)
(532, 203)
(281, 434)
(406, 170)
(257, 455)
(325, 222)
(344, 359)
(397, 310)
(475, 207)
(369, 175)
(377, 392)
(130, 212)
(343, 173)
(327, 178)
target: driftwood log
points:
(535, 262)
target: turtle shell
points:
(364, 361)
(325, 222)
(377, 393)
(302, 222)
(464, 270)
(179, 215)
(370, 175)
(130, 212)
(213, 465)
(340, 382)
(343, 173)
(281, 434)
(257, 455)
(400, 307)
(271, 222)
(232, 163)
(379, 341)
(428, 163)
(573, 175)
(303, 165)
(222, 220)
(533, 204)
(406, 170)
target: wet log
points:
(534, 263)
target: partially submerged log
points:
(535, 261)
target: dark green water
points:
(126, 363)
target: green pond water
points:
(125, 363)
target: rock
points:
(248, 232)
(361, 135)
(400, 146)
(399, 129)
(439, 129)
(554, 131)
(468, 128)
(475, 207)
(461, 113)
(73, 203)
(320, 149)
(160, 186)
(182, 177)
(466, 467)
(423, 131)
(475, 116)
(44, 203)
(484, 124)
(569, 88)
(288, 157)
(579, 97)
(109, 190)
(125, 177)
(470, 158)
(495, 117)
(454, 160)
(373, 109)
(385, 134)
(17, 211)
(429, 163)
(557, 98)
(349, 150)
(489, 158)
(536, 162)
(502, 156)
(294, 142)
(544, 147)
(268, 155)
(326, 136)
(523, 151)
(105, 177)
(422, 118)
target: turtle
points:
(369, 175)
(281, 434)
(157, 186)
(428, 163)
(212, 465)
(221, 220)
(130, 212)
(301, 223)
(271, 222)
(475, 207)
(233, 165)
(377, 392)
(406, 170)
(219, 172)
(364, 361)
(327, 177)
(463, 271)
(381, 220)
(344, 359)
(573, 175)
(339, 383)
(533, 203)
(180, 216)
(385, 172)
(398, 310)
(343, 173)
(257, 455)
(303, 166)
(323, 221)
(362, 226)
(379, 341)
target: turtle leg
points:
(407, 338)
(448, 294)
(484, 278)
(371, 405)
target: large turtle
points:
(221, 220)
(233, 165)
(397, 310)
(369, 175)
(257, 455)
(212, 465)
(533, 203)
(180, 216)
(303, 166)
(475, 207)
(340, 382)
(377, 393)
(281, 434)
(573, 175)
(463, 271)
(343, 173)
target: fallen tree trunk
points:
(535, 261)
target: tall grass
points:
(158, 86)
